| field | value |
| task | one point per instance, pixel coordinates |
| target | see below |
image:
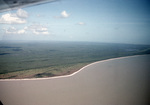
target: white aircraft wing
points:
(6, 5)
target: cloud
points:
(21, 13)
(64, 14)
(22, 31)
(10, 30)
(13, 30)
(81, 23)
(14, 18)
(11, 19)
(38, 29)
(32, 29)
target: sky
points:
(112, 21)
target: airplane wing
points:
(6, 5)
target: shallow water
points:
(122, 81)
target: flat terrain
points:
(47, 59)
(122, 81)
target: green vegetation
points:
(46, 59)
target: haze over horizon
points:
(113, 21)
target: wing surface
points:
(6, 5)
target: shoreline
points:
(72, 74)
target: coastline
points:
(106, 82)
(72, 74)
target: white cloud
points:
(10, 30)
(32, 29)
(64, 14)
(37, 32)
(37, 29)
(81, 23)
(22, 31)
(21, 13)
(15, 18)
(13, 30)
(11, 19)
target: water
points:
(122, 81)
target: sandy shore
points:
(119, 81)
(64, 76)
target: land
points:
(48, 59)
(120, 81)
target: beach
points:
(118, 81)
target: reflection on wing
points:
(6, 5)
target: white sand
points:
(119, 81)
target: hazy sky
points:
(119, 21)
